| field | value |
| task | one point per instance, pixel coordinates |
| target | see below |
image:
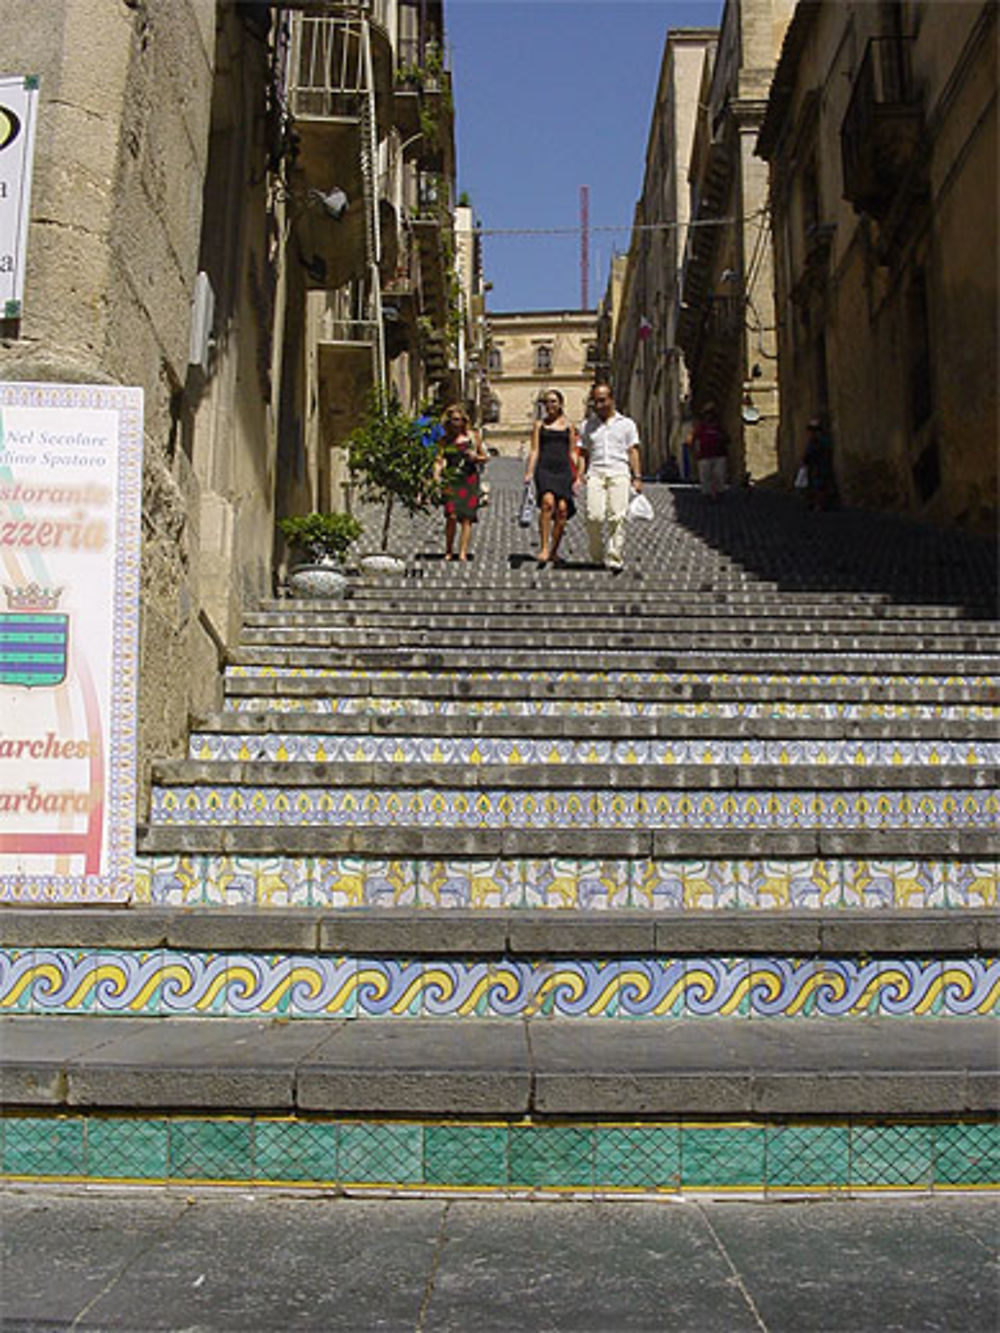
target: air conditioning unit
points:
(202, 319)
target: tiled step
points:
(309, 699)
(567, 687)
(429, 602)
(588, 657)
(413, 869)
(473, 744)
(753, 726)
(640, 635)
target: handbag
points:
(639, 507)
(526, 513)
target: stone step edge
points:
(409, 842)
(562, 726)
(544, 1067)
(455, 932)
(685, 661)
(902, 690)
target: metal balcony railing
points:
(327, 69)
(880, 129)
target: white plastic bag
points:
(639, 507)
(526, 514)
(802, 478)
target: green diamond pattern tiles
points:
(295, 1151)
(120, 1148)
(645, 1157)
(471, 1155)
(381, 1153)
(210, 1149)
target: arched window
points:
(494, 361)
(543, 359)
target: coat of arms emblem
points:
(34, 637)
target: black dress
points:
(554, 468)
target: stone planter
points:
(317, 581)
(382, 565)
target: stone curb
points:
(603, 844)
(608, 727)
(844, 1067)
(498, 933)
(899, 691)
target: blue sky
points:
(551, 95)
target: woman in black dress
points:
(555, 464)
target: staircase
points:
(523, 880)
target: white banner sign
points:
(18, 104)
(70, 501)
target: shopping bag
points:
(802, 478)
(639, 507)
(526, 514)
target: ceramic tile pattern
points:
(648, 1158)
(167, 983)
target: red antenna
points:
(584, 245)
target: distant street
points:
(144, 1260)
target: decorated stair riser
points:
(286, 747)
(574, 808)
(553, 884)
(168, 983)
(652, 1158)
(389, 706)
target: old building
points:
(245, 210)
(726, 322)
(529, 352)
(881, 134)
(648, 370)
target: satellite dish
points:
(750, 414)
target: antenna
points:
(584, 244)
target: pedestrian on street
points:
(710, 445)
(555, 465)
(817, 459)
(609, 442)
(457, 469)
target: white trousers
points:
(607, 503)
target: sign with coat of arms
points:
(70, 496)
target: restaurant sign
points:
(70, 494)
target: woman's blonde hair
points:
(456, 407)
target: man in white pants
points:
(609, 443)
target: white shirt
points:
(607, 443)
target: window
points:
(494, 361)
(543, 360)
(491, 410)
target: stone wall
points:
(114, 247)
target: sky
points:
(551, 95)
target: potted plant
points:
(391, 456)
(322, 542)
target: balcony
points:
(334, 62)
(882, 128)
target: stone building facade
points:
(529, 352)
(881, 135)
(726, 323)
(204, 164)
(648, 368)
